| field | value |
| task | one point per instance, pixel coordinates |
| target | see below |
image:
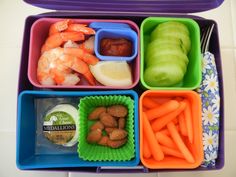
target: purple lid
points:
(129, 6)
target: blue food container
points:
(133, 10)
(112, 34)
(26, 155)
(108, 25)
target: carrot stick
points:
(162, 110)
(182, 125)
(188, 120)
(144, 109)
(149, 103)
(161, 100)
(166, 131)
(178, 98)
(161, 122)
(165, 140)
(179, 142)
(146, 150)
(151, 140)
(172, 152)
(175, 120)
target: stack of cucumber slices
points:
(166, 58)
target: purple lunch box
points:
(135, 11)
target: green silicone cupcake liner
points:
(93, 152)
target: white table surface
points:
(13, 14)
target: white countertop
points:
(13, 14)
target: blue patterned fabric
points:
(209, 92)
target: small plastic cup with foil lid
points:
(60, 125)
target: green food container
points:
(192, 77)
(94, 152)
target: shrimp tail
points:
(59, 26)
(81, 54)
(90, 59)
(89, 77)
(79, 66)
(57, 39)
(80, 28)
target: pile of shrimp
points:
(67, 51)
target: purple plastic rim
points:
(124, 6)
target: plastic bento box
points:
(28, 157)
(136, 12)
(38, 35)
(116, 33)
(95, 152)
(192, 77)
(193, 146)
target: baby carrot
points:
(182, 124)
(178, 98)
(175, 120)
(179, 142)
(162, 110)
(146, 150)
(188, 120)
(151, 140)
(161, 100)
(172, 152)
(149, 103)
(144, 109)
(165, 140)
(166, 131)
(161, 122)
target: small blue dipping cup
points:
(116, 33)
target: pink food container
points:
(38, 35)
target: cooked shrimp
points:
(51, 71)
(88, 45)
(56, 67)
(58, 39)
(71, 44)
(79, 66)
(59, 26)
(62, 74)
(81, 54)
(80, 28)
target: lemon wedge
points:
(112, 73)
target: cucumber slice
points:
(173, 24)
(172, 59)
(167, 41)
(185, 39)
(164, 74)
(163, 50)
